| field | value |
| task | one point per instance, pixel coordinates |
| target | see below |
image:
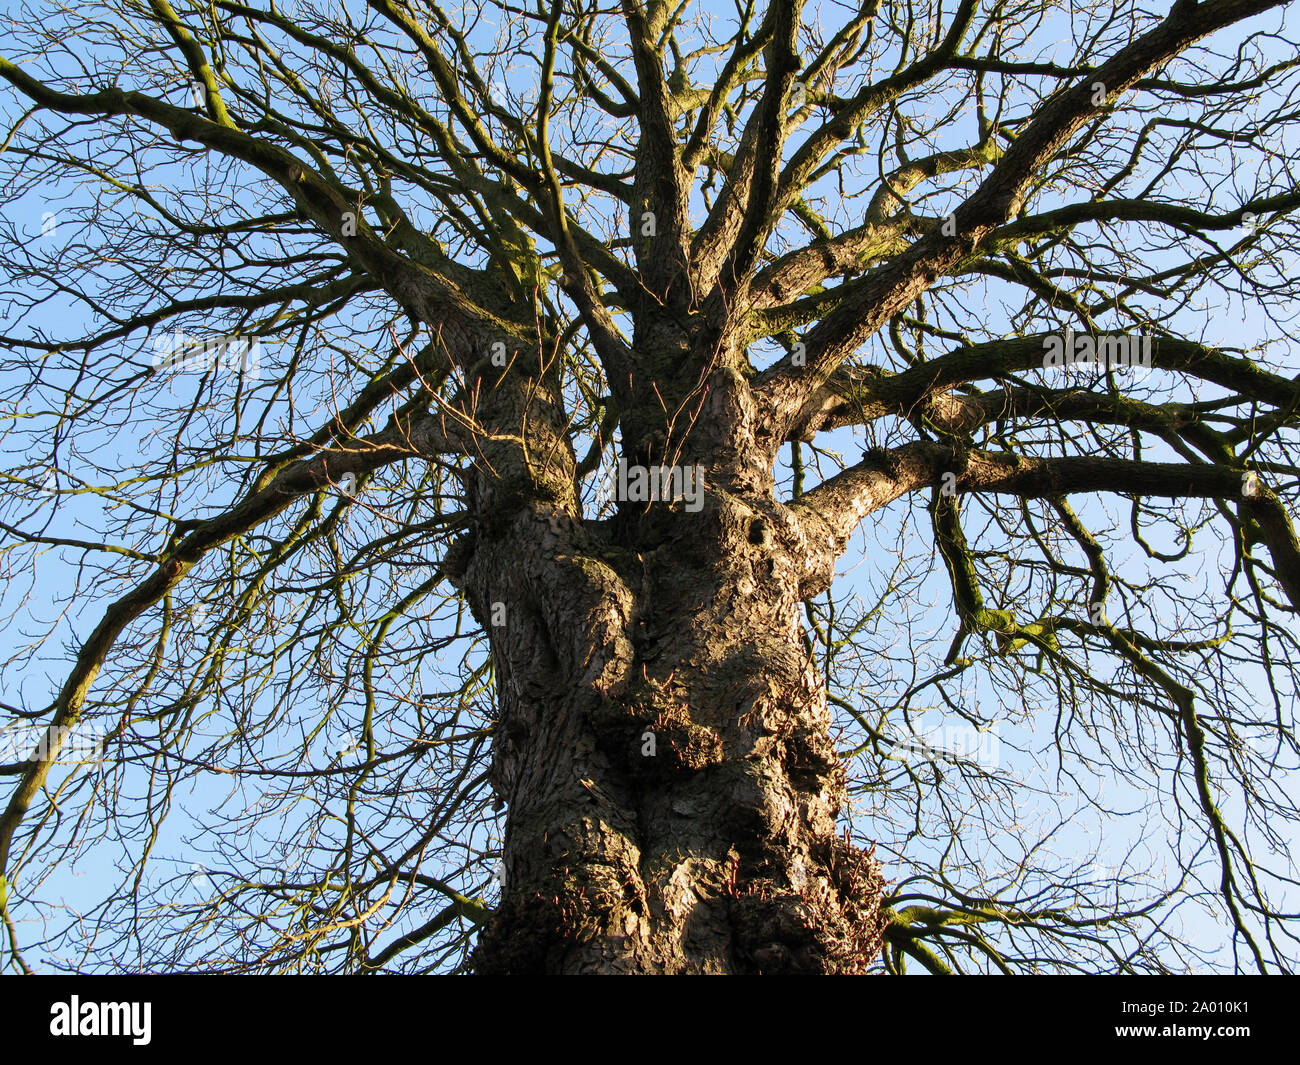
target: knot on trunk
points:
(833, 925)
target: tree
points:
(463, 394)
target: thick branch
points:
(833, 510)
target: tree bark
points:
(663, 743)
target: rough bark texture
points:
(679, 632)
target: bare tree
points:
(425, 431)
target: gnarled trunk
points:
(663, 746)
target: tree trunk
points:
(663, 745)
